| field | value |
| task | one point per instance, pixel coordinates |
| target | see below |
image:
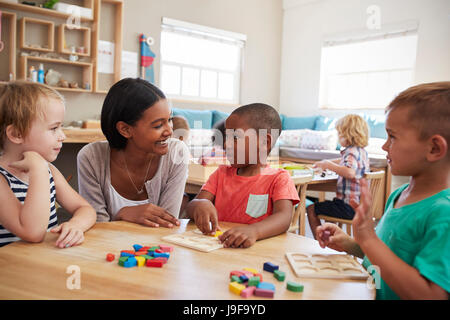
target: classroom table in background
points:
(42, 271)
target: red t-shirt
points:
(249, 199)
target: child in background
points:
(218, 145)
(411, 243)
(353, 135)
(180, 128)
(31, 136)
(249, 191)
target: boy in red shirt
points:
(248, 191)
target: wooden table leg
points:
(302, 209)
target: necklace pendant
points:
(140, 191)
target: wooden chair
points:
(298, 214)
(375, 180)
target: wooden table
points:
(78, 135)
(39, 271)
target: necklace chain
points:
(139, 191)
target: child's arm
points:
(202, 210)
(84, 216)
(30, 220)
(330, 235)
(246, 236)
(342, 171)
(403, 279)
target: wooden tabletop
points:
(42, 271)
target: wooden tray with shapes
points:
(194, 240)
(326, 266)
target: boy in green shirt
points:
(411, 245)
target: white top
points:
(118, 202)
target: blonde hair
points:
(354, 129)
(429, 108)
(21, 103)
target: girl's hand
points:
(205, 216)
(324, 165)
(148, 215)
(70, 235)
(239, 237)
(31, 161)
(363, 225)
(330, 235)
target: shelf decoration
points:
(147, 58)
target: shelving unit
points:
(38, 24)
(24, 44)
(9, 20)
(63, 31)
(86, 67)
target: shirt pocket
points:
(257, 205)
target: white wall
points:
(307, 22)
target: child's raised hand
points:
(70, 235)
(205, 216)
(363, 226)
(239, 237)
(331, 236)
(31, 160)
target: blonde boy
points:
(353, 135)
(411, 243)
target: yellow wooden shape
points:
(254, 271)
(140, 261)
(236, 288)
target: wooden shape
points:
(236, 288)
(279, 275)
(140, 261)
(269, 266)
(110, 257)
(253, 281)
(326, 266)
(264, 293)
(154, 264)
(294, 287)
(254, 271)
(165, 248)
(266, 286)
(195, 241)
(248, 292)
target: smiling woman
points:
(139, 155)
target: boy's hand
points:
(239, 237)
(324, 165)
(205, 216)
(31, 161)
(363, 226)
(70, 235)
(330, 235)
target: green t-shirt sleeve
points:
(433, 260)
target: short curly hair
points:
(354, 129)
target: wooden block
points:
(137, 247)
(269, 266)
(122, 261)
(165, 248)
(260, 277)
(236, 288)
(162, 259)
(127, 253)
(161, 255)
(140, 253)
(144, 248)
(264, 293)
(110, 257)
(154, 264)
(147, 257)
(248, 274)
(294, 287)
(131, 262)
(253, 281)
(279, 275)
(236, 273)
(266, 286)
(243, 278)
(254, 271)
(235, 279)
(140, 261)
(248, 292)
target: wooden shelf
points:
(11, 41)
(41, 11)
(61, 61)
(23, 34)
(62, 43)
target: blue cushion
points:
(218, 116)
(292, 123)
(205, 116)
(308, 203)
(325, 123)
(376, 126)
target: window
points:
(200, 63)
(367, 73)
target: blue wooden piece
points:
(269, 266)
(137, 247)
(161, 255)
(266, 286)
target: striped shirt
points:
(357, 159)
(20, 188)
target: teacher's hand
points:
(148, 215)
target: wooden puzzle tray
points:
(327, 266)
(195, 240)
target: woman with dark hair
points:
(139, 173)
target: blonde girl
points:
(31, 136)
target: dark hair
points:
(126, 101)
(260, 116)
(219, 129)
